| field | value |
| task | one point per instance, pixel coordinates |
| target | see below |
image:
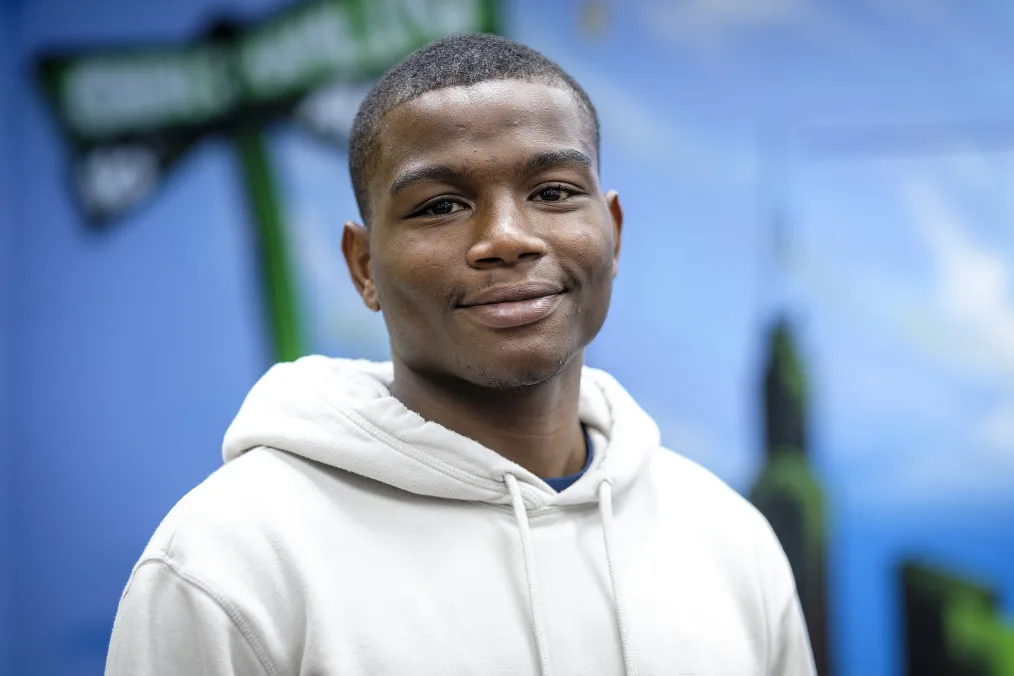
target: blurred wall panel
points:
(134, 348)
(8, 15)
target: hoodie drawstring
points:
(538, 622)
(521, 514)
(606, 510)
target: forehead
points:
(480, 124)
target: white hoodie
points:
(347, 536)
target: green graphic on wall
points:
(952, 626)
(129, 113)
(787, 493)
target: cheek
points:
(410, 276)
(591, 255)
(592, 251)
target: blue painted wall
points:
(130, 363)
(8, 35)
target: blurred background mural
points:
(816, 298)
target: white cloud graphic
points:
(973, 294)
(997, 430)
(949, 409)
(696, 20)
(643, 132)
(943, 480)
(707, 26)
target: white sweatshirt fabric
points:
(347, 536)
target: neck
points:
(537, 428)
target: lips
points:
(513, 306)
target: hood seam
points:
(433, 463)
(341, 413)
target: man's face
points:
(491, 249)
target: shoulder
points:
(733, 540)
(241, 537)
(231, 523)
(724, 529)
(690, 492)
(696, 483)
(215, 571)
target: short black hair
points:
(455, 61)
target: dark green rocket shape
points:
(786, 491)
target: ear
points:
(616, 214)
(356, 248)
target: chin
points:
(516, 374)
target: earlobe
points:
(356, 249)
(616, 215)
(370, 297)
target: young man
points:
(483, 504)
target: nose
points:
(504, 236)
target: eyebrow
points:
(553, 158)
(538, 162)
(433, 172)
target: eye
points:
(441, 207)
(554, 193)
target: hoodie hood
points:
(340, 412)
